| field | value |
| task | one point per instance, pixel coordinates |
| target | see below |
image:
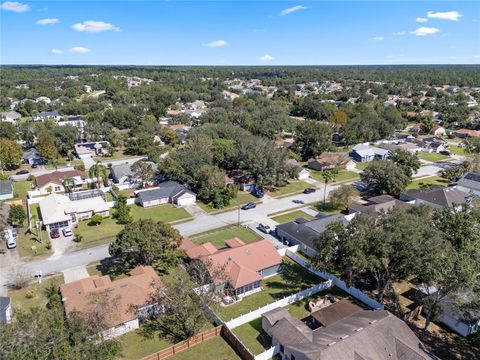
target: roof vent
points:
(332, 343)
(373, 322)
(343, 337)
(359, 329)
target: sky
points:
(240, 32)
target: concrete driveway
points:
(74, 274)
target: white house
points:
(10, 116)
(167, 192)
(303, 174)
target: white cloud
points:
(378, 38)
(399, 33)
(57, 52)
(93, 26)
(292, 9)
(424, 31)
(447, 15)
(266, 58)
(46, 21)
(421, 20)
(216, 44)
(14, 6)
(79, 50)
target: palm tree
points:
(54, 163)
(69, 184)
(99, 172)
(328, 175)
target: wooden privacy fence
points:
(185, 345)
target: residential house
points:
(331, 160)
(355, 335)
(43, 99)
(466, 133)
(123, 175)
(470, 183)
(245, 182)
(90, 149)
(73, 120)
(10, 116)
(302, 232)
(129, 297)
(245, 264)
(416, 128)
(6, 190)
(406, 146)
(168, 192)
(32, 157)
(365, 153)
(303, 174)
(438, 197)
(5, 309)
(47, 115)
(60, 211)
(53, 182)
(376, 205)
(438, 130)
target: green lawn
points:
(294, 186)
(292, 216)
(19, 299)
(135, 346)
(293, 279)
(434, 180)
(29, 244)
(342, 176)
(457, 150)
(164, 213)
(216, 348)
(433, 157)
(253, 336)
(241, 199)
(361, 165)
(218, 237)
(97, 235)
(326, 208)
(20, 188)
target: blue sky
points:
(239, 32)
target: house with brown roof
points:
(245, 264)
(53, 182)
(130, 298)
(438, 130)
(465, 133)
(350, 334)
(330, 160)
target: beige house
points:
(53, 182)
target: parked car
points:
(446, 152)
(264, 228)
(257, 192)
(248, 206)
(309, 190)
(54, 234)
(22, 172)
(34, 166)
(296, 201)
(67, 232)
(10, 236)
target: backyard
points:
(292, 279)
(217, 237)
(292, 216)
(426, 182)
(20, 189)
(432, 157)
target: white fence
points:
(357, 294)
(255, 314)
(282, 252)
(268, 354)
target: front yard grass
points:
(292, 279)
(29, 244)
(425, 182)
(218, 237)
(293, 187)
(342, 176)
(432, 157)
(164, 213)
(93, 235)
(457, 150)
(241, 199)
(20, 189)
(19, 297)
(292, 216)
(361, 165)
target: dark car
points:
(249, 206)
(22, 172)
(54, 234)
(445, 152)
(258, 193)
(309, 190)
(296, 201)
(34, 166)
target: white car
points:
(10, 239)
(67, 232)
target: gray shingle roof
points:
(471, 181)
(4, 304)
(445, 197)
(167, 189)
(119, 171)
(6, 187)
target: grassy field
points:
(425, 182)
(432, 157)
(241, 199)
(165, 213)
(97, 235)
(292, 216)
(20, 188)
(361, 165)
(218, 237)
(294, 186)
(135, 346)
(342, 176)
(457, 150)
(293, 279)
(29, 244)
(253, 336)
(326, 208)
(19, 299)
(216, 348)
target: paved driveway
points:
(74, 274)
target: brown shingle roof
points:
(131, 291)
(57, 177)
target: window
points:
(57, 188)
(282, 349)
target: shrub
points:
(79, 167)
(48, 245)
(31, 294)
(78, 238)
